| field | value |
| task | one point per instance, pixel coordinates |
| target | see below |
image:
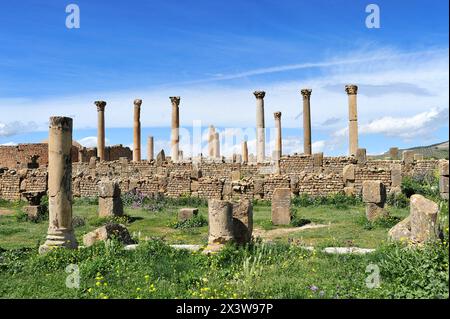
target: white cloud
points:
(16, 127)
(421, 124)
(91, 141)
(9, 144)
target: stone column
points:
(260, 127)
(60, 232)
(220, 221)
(175, 128)
(211, 137)
(307, 149)
(352, 90)
(278, 138)
(137, 131)
(216, 145)
(100, 129)
(150, 148)
(374, 195)
(244, 152)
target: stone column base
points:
(61, 239)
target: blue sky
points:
(214, 54)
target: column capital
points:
(175, 100)
(100, 105)
(259, 94)
(137, 102)
(351, 89)
(277, 115)
(306, 93)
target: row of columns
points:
(213, 136)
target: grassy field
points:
(344, 227)
(261, 270)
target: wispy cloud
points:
(17, 127)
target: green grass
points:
(277, 270)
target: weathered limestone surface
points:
(307, 149)
(109, 231)
(421, 225)
(408, 157)
(374, 195)
(393, 153)
(260, 127)
(401, 231)
(242, 221)
(216, 145)
(187, 213)
(361, 156)
(281, 206)
(211, 141)
(60, 232)
(220, 221)
(423, 215)
(109, 200)
(244, 152)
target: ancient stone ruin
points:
(109, 200)
(374, 195)
(281, 206)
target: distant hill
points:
(438, 151)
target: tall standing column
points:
(260, 127)
(278, 139)
(60, 232)
(175, 128)
(211, 136)
(352, 90)
(150, 148)
(306, 121)
(216, 145)
(244, 152)
(137, 131)
(100, 129)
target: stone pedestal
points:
(374, 195)
(60, 232)
(361, 156)
(396, 178)
(220, 214)
(33, 209)
(408, 157)
(260, 127)
(242, 221)
(307, 148)
(352, 91)
(101, 129)
(175, 136)
(109, 200)
(187, 213)
(137, 131)
(281, 206)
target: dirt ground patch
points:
(274, 233)
(5, 212)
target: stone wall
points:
(19, 156)
(313, 175)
